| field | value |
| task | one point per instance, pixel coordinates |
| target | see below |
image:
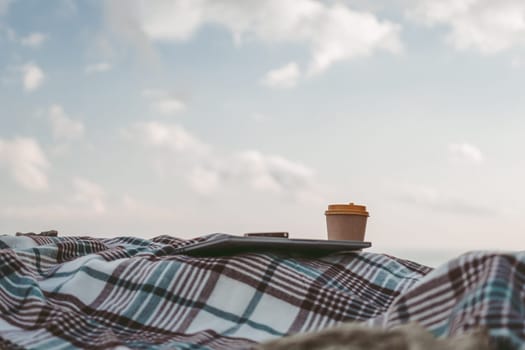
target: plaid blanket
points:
(125, 292)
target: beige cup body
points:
(346, 226)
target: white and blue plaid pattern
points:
(81, 292)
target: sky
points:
(180, 117)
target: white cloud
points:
(168, 106)
(256, 171)
(333, 32)
(33, 76)
(99, 67)
(121, 19)
(204, 181)
(253, 170)
(26, 162)
(273, 172)
(346, 34)
(63, 126)
(90, 193)
(163, 103)
(485, 25)
(34, 40)
(168, 136)
(155, 18)
(433, 199)
(208, 171)
(465, 152)
(284, 77)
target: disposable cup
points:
(346, 221)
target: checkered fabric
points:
(125, 292)
(477, 289)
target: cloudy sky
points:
(191, 117)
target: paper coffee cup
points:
(346, 221)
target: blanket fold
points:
(127, 292)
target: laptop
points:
(225, 245)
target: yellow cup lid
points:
(348, 209)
